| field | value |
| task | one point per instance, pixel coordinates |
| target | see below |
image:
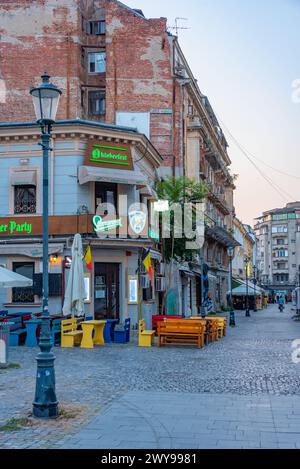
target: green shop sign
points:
(14, 227)
(104, 154)
(104, 226)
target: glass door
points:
(106, 291)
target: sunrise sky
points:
(246, 56)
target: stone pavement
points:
(243, 390)
(185, 420)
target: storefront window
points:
(24, 294)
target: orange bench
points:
(181, 332)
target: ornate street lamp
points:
(247, 260)
(45, 101)
(230, 253)
(254, 283)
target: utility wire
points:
(283, 194)
(268, 165)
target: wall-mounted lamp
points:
(54, 259)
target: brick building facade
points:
(118, 67)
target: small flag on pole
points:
(88, 258)
(148, 265)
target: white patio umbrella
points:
(10, 279)
(75, 291)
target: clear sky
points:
(246, 55)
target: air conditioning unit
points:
(160, 284)
(144, 281)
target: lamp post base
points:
(45, 404)
(232, 319)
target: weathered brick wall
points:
(48, 35)
(36, 37)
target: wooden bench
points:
(16, 331)
(181, 332)
(222, 323)
(212, 329)
(146, 337)
(70, 335)
(161, 317)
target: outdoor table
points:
(88, 340)
(109, 330)
(31, 329)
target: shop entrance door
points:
(106, 291)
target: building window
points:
(280, 242)
(97, 62)
(279, 229)
(281, 253)
(106, 193)
(24, 294)
(97, 27)
(24, 199)
(97, 103)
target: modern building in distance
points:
(278, 251)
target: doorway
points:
(107, 291)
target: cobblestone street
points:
(243, 391)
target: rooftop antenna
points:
(177, 27)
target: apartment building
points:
(278, 250)
(117, 67)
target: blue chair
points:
(122, 334)
(16, 331)
(56, 331)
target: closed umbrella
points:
(9, 279)
(75, 292)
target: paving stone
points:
(244, 388)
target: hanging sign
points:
(101, 226)
(102, 153)
(137, 221)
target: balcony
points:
(217, 197)
(194, 123)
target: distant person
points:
(265, 301)
(281, 303)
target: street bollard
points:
(4, 343)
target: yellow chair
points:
(221, 326)
(146, 337)
(70, 335)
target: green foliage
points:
(180, 191)
(14, 425)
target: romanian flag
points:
(148, 265)
(88, 258)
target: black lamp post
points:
(45, 101)
(230, 253)
(247, 260)
(254, 283)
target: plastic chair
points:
(122, 335)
